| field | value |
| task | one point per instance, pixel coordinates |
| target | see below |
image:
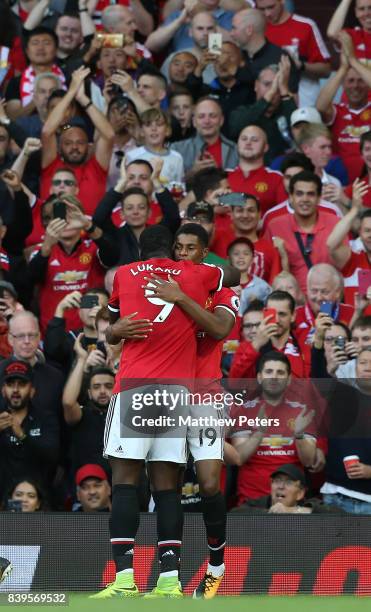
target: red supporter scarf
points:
(28, 79)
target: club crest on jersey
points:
(85, 258)
(261, 187)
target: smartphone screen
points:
(215, 42)
(59, 210)
(272, 313)
(327, 308)
(89, 301)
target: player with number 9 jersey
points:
(170, 350)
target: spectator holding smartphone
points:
(273, 333)
(64, 261)
(58, 342)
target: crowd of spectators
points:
(119, 115)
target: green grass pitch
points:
(79, 602)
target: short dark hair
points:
(153, 72)
(100, 370)
(254, 306)
(363, 322)
(344, 327)
(194, 229)
(73, 14)
(134, 191)
(366, 137)
(206, 179)
(296, 160)
(306, 177)
(143, 162)
(156, 241)
(282, 296)
(273, 356)
(39, 31)
(246, 241)
(365, 214)
(179, 90)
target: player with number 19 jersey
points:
(170, 350)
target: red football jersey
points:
(284, 208)
(209, 350)
(170, 350)
(366, 200)
(299, 33)
(362, 43)
(90, 176)
(276, 449)
(38, 231)
(347, 127)
(264, 183)
(77, 271)
(357, 262)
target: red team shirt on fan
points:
(366, 199)
(264, 183)
(276, 449)
(215, 150)
(301, 33)
(362, 44)
(79, 271)
(91, 179)
(347, 127)
(246, 358)
(284, 208)
(285, 227)
(357, 262)
(170, 350)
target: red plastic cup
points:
(350, 460)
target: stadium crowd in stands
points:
(117, 116)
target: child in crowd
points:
(156, 131)
(241, 255)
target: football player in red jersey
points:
(167, 354)
(216, 323)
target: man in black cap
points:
(287, 496)
(29, 443)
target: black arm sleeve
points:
(169, 209)
(108, 250)
(17, 133)
(102, 214)
(37, 268)
(20, 226)
(58, 344)
(318, 364)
